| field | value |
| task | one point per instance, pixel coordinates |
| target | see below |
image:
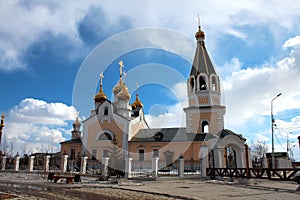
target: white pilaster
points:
(64, 163)
(105, 166)
(154, 167)
(31, 163)
(17, 163)
(128, 163)
(83, 164)
(47, 164)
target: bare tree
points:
(258, 151)
(11, 145)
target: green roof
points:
(169, 134)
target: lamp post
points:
(272, 124)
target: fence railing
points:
(284, 174)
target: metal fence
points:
(144, 168)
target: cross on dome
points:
(121, 66)
(101, 77)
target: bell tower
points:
(205, 113)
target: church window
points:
(105, 110)
(155, 152)
(105, 136)
(141, 154)
(205, 127)
(203, 85)
(192, 84)
(214, 83)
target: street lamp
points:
(272, 124)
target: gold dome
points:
(137, 102)
(100, 96)
(200, 33)
(118, 87)
(124, 94)
(76, 122)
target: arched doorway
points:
(230, 157)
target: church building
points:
(117, 127)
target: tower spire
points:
(204, 92)
(100, 96)
(200, 35)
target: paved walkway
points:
(210, 189)
(163, 188)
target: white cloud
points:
(36, 125)
(292, 42)
(23, 24)
(249, 91)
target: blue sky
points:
(255, 46)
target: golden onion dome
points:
(137, 102)
(100, 96)
(118, 87)
(200, 33)
(124, 94)
(77, 122)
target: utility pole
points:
(272, 124)
(1, 127)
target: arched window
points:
(192, 84)
(105, 136)
(203, 85)
(205, 127)
(105, 110)
(214, 84)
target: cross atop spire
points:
(101, 78)
(198, 21)
(121, 66)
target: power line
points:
(278, 141)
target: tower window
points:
(205, 127)
(192, 84)
(105, 110)
(203, 85)
(214, 83)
